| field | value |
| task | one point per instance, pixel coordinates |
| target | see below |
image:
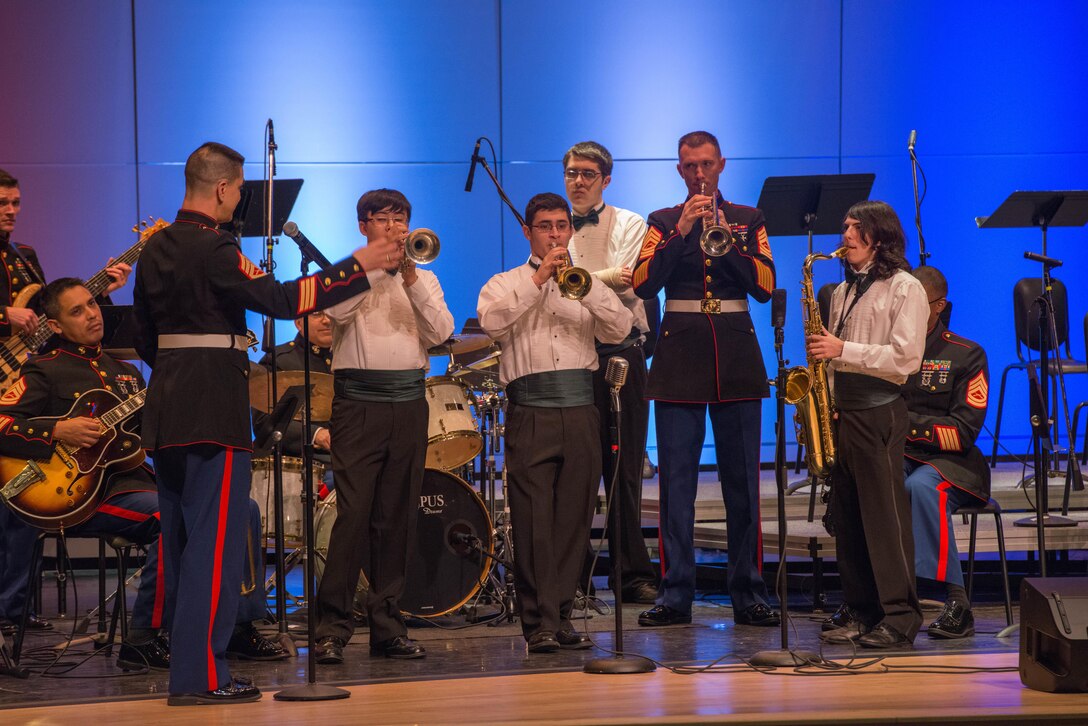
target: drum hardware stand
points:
(1045, 210)
(616, 375)
(312, 690)
(784, 657)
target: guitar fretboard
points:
(123, 410)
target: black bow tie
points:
(592, 217)
(858, 277)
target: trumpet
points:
(574, 282)
(421, 246)
(716, 239)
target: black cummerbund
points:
(374, 385)
(552, 389)
(857, 391)
(607, 349)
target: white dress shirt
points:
(390, 327)
(621, 250)
(540, 330)
(885, 334)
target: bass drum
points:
(453, 547)
(448, 564)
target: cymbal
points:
(484, 363)
(320, 391)
(460, 343)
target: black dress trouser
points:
(870, 509)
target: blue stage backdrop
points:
(105, 100)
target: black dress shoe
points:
(839, 618)
(153, 655)
(885, 636)
(663, 615)
(759, 615)
(571, 639)
(239, 690)
(33, 622)
(542, 641)
(247, 643)
(955, 621)
(848, 633)
(643, 593)
(399, 647)
(329, 651)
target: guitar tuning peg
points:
(135, 228)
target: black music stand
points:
(1044, 210)
(809, 205)
(249, 216)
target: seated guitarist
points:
(20, 270)
(48, 387)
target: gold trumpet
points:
(421, 246)
(574, 282)
(716, 239)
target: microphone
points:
(911, 140)
(616, 372)
(472, 168)
(271, 135)
(306, 246)
(1048, 261)
(778, 307)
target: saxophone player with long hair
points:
(878, 318)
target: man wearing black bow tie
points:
(606, 242)
(876, 340)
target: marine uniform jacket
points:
(704, 357)
(291, 357)
(49, 386)
(16, 276)
(947, 404)
(194, 279)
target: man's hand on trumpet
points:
(556, 259)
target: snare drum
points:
(263, 492)
(453, 438)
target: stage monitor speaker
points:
(1054, 634)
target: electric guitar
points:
(66, 489)
(14, 350)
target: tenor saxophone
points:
(806, 386)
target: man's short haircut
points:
(591, 151)
(51, 294)
(377, 200)
(932, 280)
(698, 138)
(7, 180)
(210, 163)
(545, 202)
(879, 224)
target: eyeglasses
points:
(547, 227)
(386, 221)
(588, 174)
(936, 300)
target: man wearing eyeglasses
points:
(379, 434)
(606, 242)
(707, 357)
(553, 455)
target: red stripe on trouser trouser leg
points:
(942, 551)
(160, 585)
(217, 568)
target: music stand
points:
(249, 216)
(1044, 210)
(809, 205)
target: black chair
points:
(122, 549)
(1076, 411)
(1026, 321)
(970, 513)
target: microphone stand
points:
(312, 690)
(922, 254)
(618, 663)
(494, 180)
(784, 657)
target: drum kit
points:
(463, 556)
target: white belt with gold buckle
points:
(709, 305)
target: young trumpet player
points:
(379, 436)
(553, 457)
